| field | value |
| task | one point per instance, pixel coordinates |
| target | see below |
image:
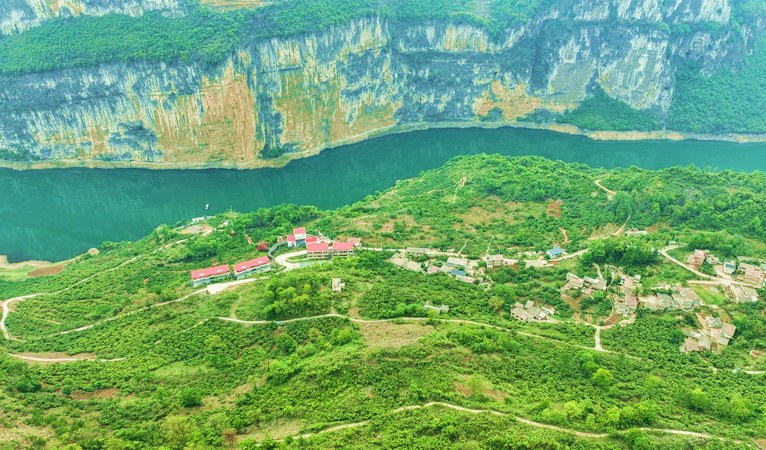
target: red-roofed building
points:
(342, 248)
(262, 246)
(300, 235)
(291, 240)
(247, 268)
(311, 239)
(209, 275)
(317, 250)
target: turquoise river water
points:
(56, 214)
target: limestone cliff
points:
(303, 93)
(19, 15)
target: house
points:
(337, 285)
(555, 252)
(712, 260)
(729, 266)
(457, 273)
(666, 302)
(465, 279)
(416, 251)
(632, 302)
(521, 314)
(751, 273)
(457, 262)
(630, 283)
(621, 308)
(598, 284)
(311, 239)
(317, 250)
(698, 257)
(537, 313)
(247, 268)
(300, 236)
(432, 269)
(635, 232)
(686, 298)
(209, 275)
(443, 309)
(690, 345)
(342, 249)
(727, 333)
(536, 263)
(493, 261)
(398, 260)
(574, 281)
(704, 342)
(651, 303)
(413, 266)
(742, 294)
(262, 246)
(290, 240)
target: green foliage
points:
(730, 100)
(602, 112)
(624, 252)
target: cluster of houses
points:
(586, 285)
(463, 269)
(240, 270)
(712, 334)
(745, 272)
(628, 302)
(528, 312)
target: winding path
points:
(609, 193)
(582, 434)
(7, 310)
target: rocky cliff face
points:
(305, 93)
(19, 15)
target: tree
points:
(603, 377)
(190, 397)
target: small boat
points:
(207, 205)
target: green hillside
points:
(159, 364)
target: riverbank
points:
(624, 136)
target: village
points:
(737, 280)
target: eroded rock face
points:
(305, 93)
(20, 15)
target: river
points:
(58, 213)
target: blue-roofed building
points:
(458, 273)
(555, 252)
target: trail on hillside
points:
(583, 434)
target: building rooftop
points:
(253, 263)
(209, 272)
(342, 246)
(317, 247)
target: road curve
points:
(7, 310)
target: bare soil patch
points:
(99, 393)
(197, 229)
(553, 208)
(386, 334)
(47, 271)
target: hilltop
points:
(539, 347)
